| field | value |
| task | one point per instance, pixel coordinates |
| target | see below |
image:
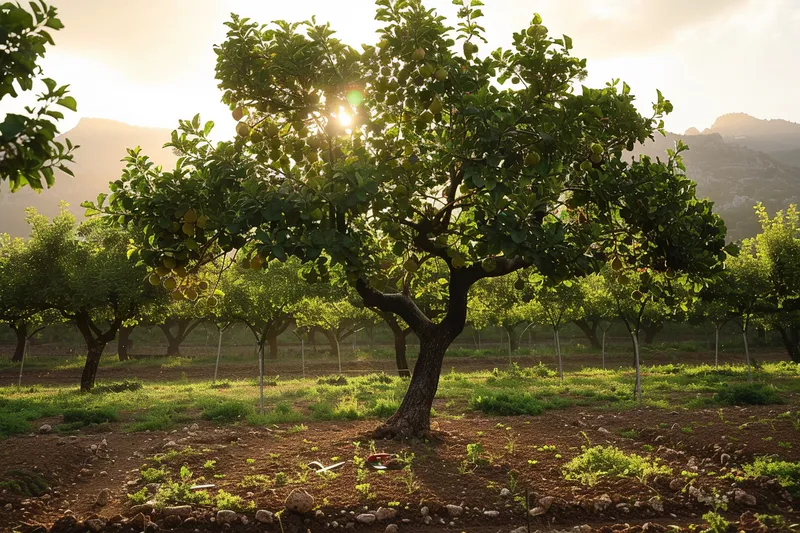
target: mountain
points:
(732, 174)
(97, 162)
(768, 136)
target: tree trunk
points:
(603, 348)
(716, 345)
(589, 330)
(333, 341)
(513, 341)
(399, 343)
(272, 339)
(747, 355)
(413, 418)
(96, 341)
(637, 387)
(123, 342)
(650, 332)
(790, 338)
(558, 351)
(21, 331)
(93, 355)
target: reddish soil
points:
(511, 450)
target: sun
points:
(345, 118)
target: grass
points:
(787, 473)
(152, 406)
(599, 461)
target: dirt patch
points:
(518, 454)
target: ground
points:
(179, 432)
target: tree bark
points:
(400, 335)
(650, 331)
(96, 341)
(558, 351)
(123, 342)
(333, 341)
(589, 330)
(637, 387)
(21, 331)
(184, 327)
(791, 340)
(513, 340)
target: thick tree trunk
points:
(413, 418)
(333, 341)
(650, 332)
(791, 340)
(124, 342)
(21, 331)
(590, 331)
(184, 326)
(400, 344)
(93, 355)
(603, 348)
(96, 341)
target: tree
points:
(778, 248)
(498, 302)
(599, 310)
(490, 163)
(554, 305)
(29, 153)
(83, 272)
(16, 307)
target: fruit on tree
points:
(170, 283)
(242, 129)
(237, 114)
(419, 54)
(154, 279)
(533, 159)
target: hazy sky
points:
(150, 62)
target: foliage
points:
(85, 417)
(226, 411)
(24, 483)
(716, 523)
(598, 461)
(748, 394)
(226, 500)
(29, 153)
(514, 403)
(787, 473)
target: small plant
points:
(227, 411)
(787, 473)
(281, 479)
(533, 462)
(475, 454)
(510, 444)
(257, 481)
(154, 475)
(686, 429)
(716, 523)
(232, 502)
(648, 448)
(250, 461)
(629, 434)
(210, 464)
(546, 448)
(363, 490)
(139, 497)
(185, 474)
(172, 493)
(599, 461)
(298, 428)
(302, 474)
(748, 394)
(513, 481)
(785, 445)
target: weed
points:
(514, 403)
(716, 523)
(139, 497)
(172, 493)
(298, 428)
(629, 434)
(120, 386)
(86, 417)
(687, 429)
(227, 411)
(787, 473)
(226, 500)
(748, 394)
(154, 475)
(363, 490)
(210, 464)
(257, 481)
(475, 454)
(598, 461)
(785, 445)
(281, 479)
(24, 483)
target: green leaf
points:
(68, 102)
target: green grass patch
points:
(515, 403)
(227, 411)
(599, 461)
(80, 417)
(787, 473)
(24, 483)
(748, 394)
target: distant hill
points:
(97, 162)
(768, 136)
(733, 175)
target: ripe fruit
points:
(202, 221)
(242, 129)
(586, 165)
(419, 54)
(169, 262)
(237, 114)
(533, 159)
(256, 262)
(170, 283)
(597, 148)
(190, 216)
(154, 279)
(440, 74)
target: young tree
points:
(28, 150)
(421, 146)
(598, 310)
(498, 302)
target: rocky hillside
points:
(97, 162)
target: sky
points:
(151, 62)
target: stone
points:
(95, 524)
(170, 444)
(103, 498)
(505, 493)
(537, 511)
(391, 528)
(491, 514)
(365, 518)
(676, 484)
(385, 513)
(624, 507)
(145, 508)
(602, 503)
(319, 515)
(299, 501)
(427, 520)
(172, 520)
(454, 510)
(138, 522)
(264, 516)
(182, 511)
(194, 427)
(546, 502)
(244, 520)
(656, 504)
(424, 511)
(225, 516)
(603, 430)
(350, 525)
(45, 428)
(743, 498)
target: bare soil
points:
(513, 458)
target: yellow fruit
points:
(191, 294)
(212, 301)
(586, 165)
(177, 295)
(242, 129)
(162, 271)
(169, 262)
(180, 272)
(170, 283)
(202, 221)
(154, 279)
(190, 216)
(188, 229)
(238, 114)
(533, 159)
(203, 285)
(597, 148)
(419, 54)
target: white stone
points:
(385, 513)
(264, 516)
(45, 428)
(299, 501)
(225, 516)
(454, 510)
(365, 518)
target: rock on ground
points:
(225, 516)
(264, 516)
(299, 501)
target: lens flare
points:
(345, 118)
